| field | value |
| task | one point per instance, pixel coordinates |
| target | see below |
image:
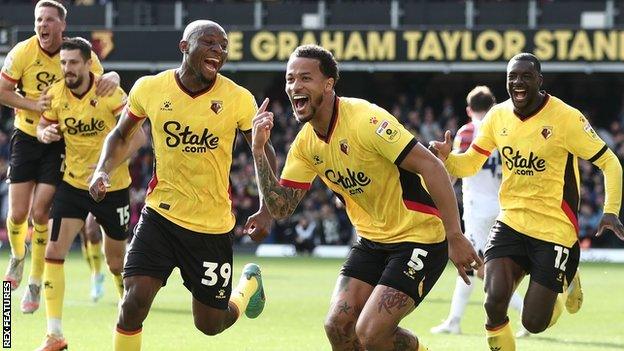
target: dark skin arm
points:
(612, 222)
(117, 146)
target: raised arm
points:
(423, 162)
(459, 165)
(117, 147)
(258, 224)
(281, 201)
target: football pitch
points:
(298, 291)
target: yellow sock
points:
(242, 293)
(501, 338)
(118, 280)
(127, 341)
(17, 237)
(85, 254)
(557, 309)
(54, 291)
(94, 251)
(38, 244)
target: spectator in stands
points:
(304, 235)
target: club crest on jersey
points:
(93, 102)
(216, 106)
(344, 146)
(388, 131)
(503, 132)
(317, 160)
(547, 131)
(373, 120)
(167, 106)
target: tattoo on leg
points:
(345, 336)
(402, 341)
(392, 298)
(344, 308)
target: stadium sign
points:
(390, 50)
(433, 45)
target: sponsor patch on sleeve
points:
(388, 131)
(590, 131)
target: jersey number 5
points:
(415, 261)
(213, 278)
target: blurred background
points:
(418, 59)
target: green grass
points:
(298, 292)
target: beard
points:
(75, 84)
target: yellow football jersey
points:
(193, 137)
(33, 69)
(539, 194)
(85, 121)
(358, 160)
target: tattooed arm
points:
(281, 201)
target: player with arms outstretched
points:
(540, 139)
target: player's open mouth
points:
(300, 102)
(44, 36)
(211, 64)
(519, 94)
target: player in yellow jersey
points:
(540, 139)
(195, 114)
(35, 169)
(83, 120)
(396, 193)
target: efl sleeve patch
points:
(389, 131)
(590, 131)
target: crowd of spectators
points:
(320, 218)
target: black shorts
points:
(31, 160)
(112, 213)
(205, 260)
(546, 262)
(412, 268)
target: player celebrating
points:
(82, 119)
(35, 169)
(187, 222)
(540, 139)
(480, 198)
(380, 171)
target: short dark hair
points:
(51, 3)
(327, 62)
(78, 43)
(480, 99)
(525, 56)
